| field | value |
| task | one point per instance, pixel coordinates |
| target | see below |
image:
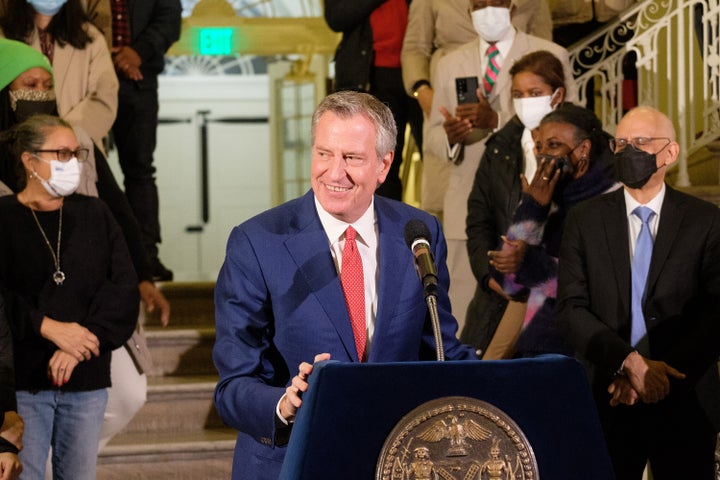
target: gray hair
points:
(346, 104)
(29, 136)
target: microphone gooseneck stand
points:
(432, 306)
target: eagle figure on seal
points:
(456, 431)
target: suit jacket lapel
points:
(616, 229)
(393, 271)
(309, 249)
(670, 220)
(503, 83)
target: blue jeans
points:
(70, 422)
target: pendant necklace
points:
(58, 276)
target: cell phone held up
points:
(466, 89)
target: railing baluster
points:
(670, 68)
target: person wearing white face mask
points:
(71, 297)
(26, 73)
(458, 131)
(435, 28)
(538, 87)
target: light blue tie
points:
(640, 267)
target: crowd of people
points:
(550, 236)
(76, 260)
(511, 164)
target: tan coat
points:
(436, 27)
(580, 11)
(465, 62)
(85, 84)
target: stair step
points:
(177, 404)
(191, 303)
(181, 351)
(206, 454)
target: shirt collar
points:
(504, 44)
(655, 204)
(335, 229)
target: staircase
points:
(177, 434)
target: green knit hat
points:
(16, 58)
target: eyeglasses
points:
(619, 144)
(64, 154)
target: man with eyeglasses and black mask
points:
(638, 288)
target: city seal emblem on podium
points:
(456, 438)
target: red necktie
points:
(351, 277)
(492, 70)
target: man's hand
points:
(60, 367)
(292, 400)
(12, 429)
(71, 338)
(649, 378)
(10, 466)
(622, 392)
(456, 129)
(154, 299)
(481, 115)
(509, 258)
(127, 61)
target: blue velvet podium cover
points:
(350, 409)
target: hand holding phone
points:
(466, 89)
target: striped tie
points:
(353, 286)
(492, 70)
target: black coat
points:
(495, 194)
(354, 56)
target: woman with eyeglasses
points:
(26, 88)
(71, 298)
(574, 163)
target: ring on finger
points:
(546, 178)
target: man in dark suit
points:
(654, 373)
(280, 298)
(142, 31)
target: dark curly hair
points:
(585, 124)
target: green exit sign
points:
(215, 41)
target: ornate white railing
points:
(677, 46)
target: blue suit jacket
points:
(279, 302)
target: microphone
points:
(417, 237)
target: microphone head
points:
(415, 229)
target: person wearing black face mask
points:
(574, 163)
(633, 165)
(638, 287)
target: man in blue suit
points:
(279, 300)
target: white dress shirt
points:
(634, 222)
